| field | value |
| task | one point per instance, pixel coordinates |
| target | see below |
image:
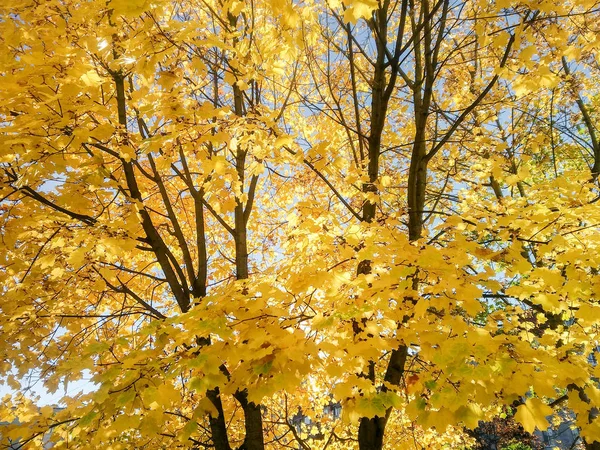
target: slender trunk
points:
(218, 427)
(173, 273)
(590, 126)
(254, 439)
(199, 286)
(371, 431)
(241, 239)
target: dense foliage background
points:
(297, 224)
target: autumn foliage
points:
(383, 214)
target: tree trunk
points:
(218, 427)
(591, 446)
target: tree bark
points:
(218, 427)
(254, 439)
(371, 431)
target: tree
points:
(229, 212)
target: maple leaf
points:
(264, 223)
(532, 414)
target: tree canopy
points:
(234, 214)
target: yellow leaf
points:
(359, 9)
(533, 414)
(46, 411)
(283, 140)
(91, 78)
(528, 52)
(57, 272)
(46, 261)
(588, 312)
(470, 415)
